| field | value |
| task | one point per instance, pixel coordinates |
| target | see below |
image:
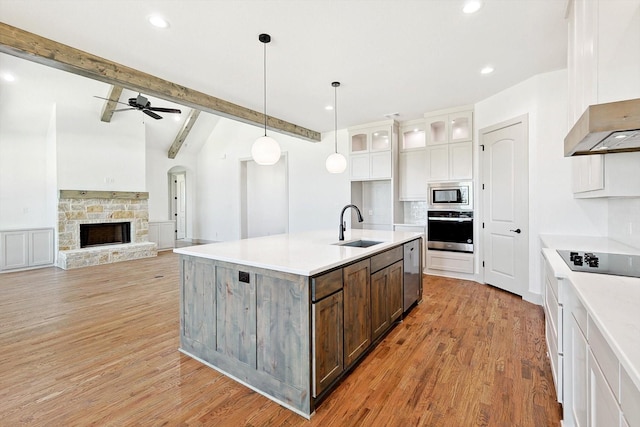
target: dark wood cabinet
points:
(386, 298)
(327, 341)
(357, 310)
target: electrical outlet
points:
(370, 212)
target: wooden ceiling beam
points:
(111, 103)
(184, 132)
(23, 44)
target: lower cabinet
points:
(603, 406)
(386, 298)
(26, 248)
(597, 390)
(162, 233)
(328, 335)
(576, 386)
(357, 310)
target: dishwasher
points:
(412, 290)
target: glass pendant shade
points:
(336, 163)
(265, 151)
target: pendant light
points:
(336, 163)
(265, 150)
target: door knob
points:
(517, 230)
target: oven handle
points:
(435, 218)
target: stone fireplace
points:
(122, 235)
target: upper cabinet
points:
(412, 173)
(603, 64)
(452, 127)
(449, 152)
(371, 149)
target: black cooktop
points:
(602, 262)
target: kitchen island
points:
(291, 314)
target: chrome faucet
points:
(343, 225)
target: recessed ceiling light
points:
(621, 136)
(471, 6)
(487, 70)
(158, 21)
(8, 77)
(329, 107)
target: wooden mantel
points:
(32, 47)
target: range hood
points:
(605, 128)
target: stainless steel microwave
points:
(450, 195)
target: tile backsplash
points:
(415, 212)
(624, 220)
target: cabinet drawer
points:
(577, 309)
(555, 358)
(380, 261)
(326, 284)
(553, 311)
(629, 398)
(605, 356)
(550, 279)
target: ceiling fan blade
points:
(107, 99)
(123, 109)
(151, 114)
(165, 110)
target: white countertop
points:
(612, 301)
(306, 253)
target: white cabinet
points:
(412, 175)
(603, 51)
(576, 387)
(455, 126)
(450, 162)
(456, 262)
(412, 172)
(603, 407)
(597, 389)
(162, 233)
(26, 248)
(553, 319)
(449, 151)
(371, 149)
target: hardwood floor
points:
(99, 346)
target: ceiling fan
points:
(142, 103)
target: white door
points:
(181, 205)
(505, 201)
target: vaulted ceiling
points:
(392, 56)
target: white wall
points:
(315, 196)
(94, 155)
(552, 208)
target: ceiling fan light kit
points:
(265, 150)
(336, 162)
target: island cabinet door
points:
(386, 298)
(396, 277)
(198, 308)
(357, 306)
(327, 341)
(379, 302)
(283, 322)
(236, 333)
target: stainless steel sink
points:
(360, 243)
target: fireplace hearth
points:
(106, 233)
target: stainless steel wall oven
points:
(450, 231)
